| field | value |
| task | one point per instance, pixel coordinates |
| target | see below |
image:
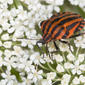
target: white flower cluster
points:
(15, 26)
(81, 3)
(80, 41)
(20, 64)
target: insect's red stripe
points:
(83, 22)
(80, 28)
(72, 30)
(66, 24)
(52, 19)
(48, 39)
(81, 25)
(57, 29)
(56, 23)
(61, 34)
(43, 24)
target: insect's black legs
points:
(47, 51)
(77, 35)
(56, 46)
(67, 44)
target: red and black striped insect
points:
(61, 26)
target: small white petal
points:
(60, 68)
(76, 81)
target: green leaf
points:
(16, 73)
(72, 8)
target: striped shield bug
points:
(60, 26)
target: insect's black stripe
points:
(45, 26)
(77, 29)
(57, 19)
(58, 14)
(47, 38)
(68, 29)
(41, 23)
(67, 20)
(80, 26)
(61, 24)
(58, 33)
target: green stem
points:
(77, 52)
(64, 57)
(43, 67)
(1, 69)
(51, 67)
(56, 80)
(16, 3)
(25, 6)
(44, 75)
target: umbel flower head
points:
(21, 63)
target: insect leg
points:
(77, 35)
(47, 51)
(67, 44)
(56, 46)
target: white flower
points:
(1, 43)
(68, 65)
(19, 33)
(55, 2)
(60, 68)
(8, 78)
(1, 30)
(35, 75)
(5, 36)
(7, 53)
(58, 58)
(81, 57)
(18, 50)
(80, 41)
(65, 79)
(11, 30)
(23, 42)
(51, 75)
(25, 81)
(9, 62)
(45, 82)
(7, 44)
(59, 2)
(64, 82)
(64, 47)
(36, 58)
(70, 57)
(81, 3)
(78, 68)
(76, 81)
(82, 79)
(23, 63)
(22, 13)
